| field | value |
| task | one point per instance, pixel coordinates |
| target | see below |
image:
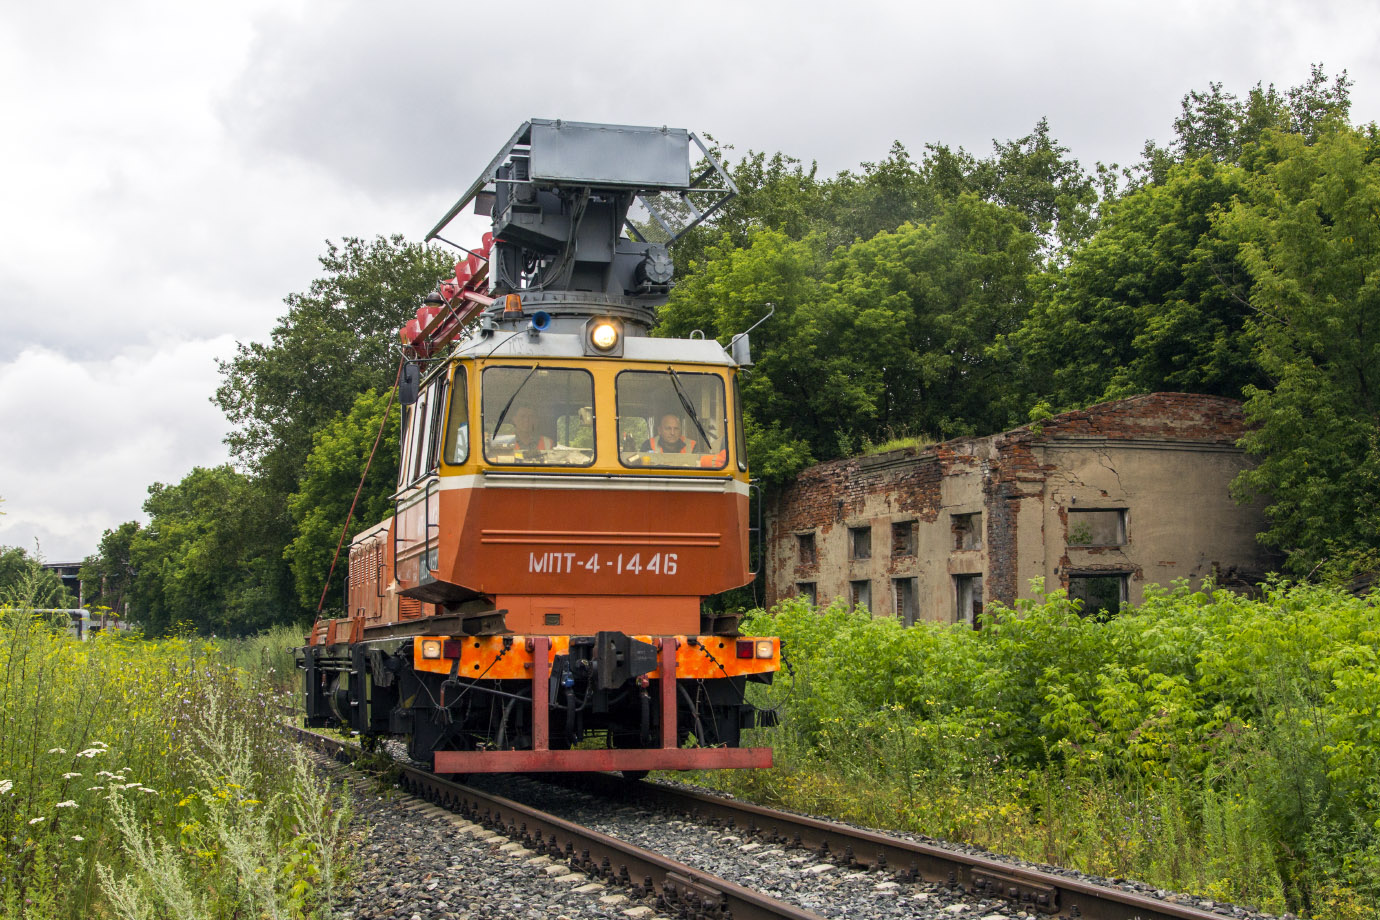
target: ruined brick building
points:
(1101, 501)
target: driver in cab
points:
(667, 439)
(526, 438)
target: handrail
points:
(757, 529)
(426, 531)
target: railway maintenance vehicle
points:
(571, 488)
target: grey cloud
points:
(413, 99)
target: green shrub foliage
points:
(1204, 740)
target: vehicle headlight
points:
(431, 648)
(604, 336)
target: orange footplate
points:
(531, 658)
(513, 657)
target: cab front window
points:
(672, 418)
(538, 416)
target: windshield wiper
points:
(509, 404)
(689, 409)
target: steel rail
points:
(676, 887)
(979, 875)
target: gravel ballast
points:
(799, 876)
(420, 861)
(788, 874)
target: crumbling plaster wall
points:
(1167, 459)
(1180, 520)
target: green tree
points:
(1220, 126)
(922, 306)
(207, 560)
(335, 341)
(1154, 301)
(108, 574)
(889, 335)
(1310, 239)
(1158, 299)
(774, 192)
(340, 450)
(1035, 176)
(897, 190)
(24, 582)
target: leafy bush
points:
(1204, 740)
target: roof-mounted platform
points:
(582, 218)
(562, 195)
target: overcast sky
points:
(171, 170)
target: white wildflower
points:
(57, 750)
(100, 743)
(147, 789)
(5, 786)
(70, 775)
(94, 788)
(108, 775)
(67, 804)
(78, 838)
(38, 820)
(90, 752)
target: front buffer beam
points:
(540, 759)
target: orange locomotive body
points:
(535, 602)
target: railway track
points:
(675, 887)
(678, 889)
(1037, 892)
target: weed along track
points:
(652, 850)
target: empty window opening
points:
(968, 591)
(860, 543)
(903, 538)
(861, 593)
(1101, 595)
(805, 590)
(805, 549)
(904, 591)
(967, 530)
(1097, 527)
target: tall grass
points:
(268, 658)
(151, 778)
(1203, 741)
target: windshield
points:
(537, 415)
(671, 419)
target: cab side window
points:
(457, 448)
(421, 432)
(738, 422)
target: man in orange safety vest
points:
(667, 439)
